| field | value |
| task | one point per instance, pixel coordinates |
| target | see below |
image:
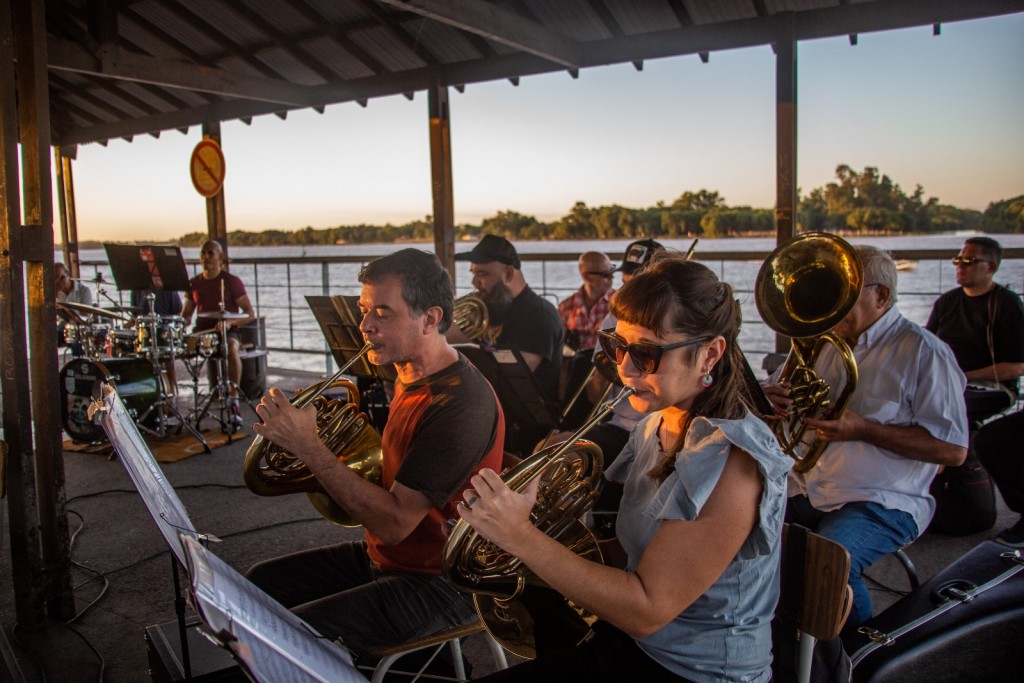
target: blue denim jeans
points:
(867, 530)
(340, 593)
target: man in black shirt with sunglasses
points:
(983, 323)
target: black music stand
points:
(338, 317)
(153, 268)
(147, 267)
(528, 415)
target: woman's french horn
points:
(271, 471)
(520, 611)
(804, 289)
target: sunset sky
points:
(941, 111)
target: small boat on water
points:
(906, 264)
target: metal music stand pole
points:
(179, 609)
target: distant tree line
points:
(855, 203)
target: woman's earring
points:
(707, 380)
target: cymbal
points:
(221, 315)
(85, 309)
(69, 315)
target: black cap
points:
(489, 249)
(638, 254)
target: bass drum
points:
(137, 385)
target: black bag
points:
(964, 624)
(965, 499)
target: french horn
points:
(270, 470)
(521, 612)
(470, 315)
(805, 287)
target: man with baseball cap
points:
(519, 318)
(637, 255)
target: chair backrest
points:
(815, 575)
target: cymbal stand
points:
(164, 404)
(221, 392)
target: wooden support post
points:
(40, 544)
(785, 142)
(68, 215)
(441, 177)
(216, 215)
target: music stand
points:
(527, 412)
(338, 317)
(153, 268)
(147, 266)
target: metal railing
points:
(278, 286)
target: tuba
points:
(804, 289)
(470, 315)
(271, 471)
(519, 610)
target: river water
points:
(278, 290)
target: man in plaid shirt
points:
(583, 312)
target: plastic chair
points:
(451, 637)
(815, 595)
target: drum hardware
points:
(159, 338)
(222, 390)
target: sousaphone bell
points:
(804, 289)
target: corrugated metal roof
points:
(119, 69)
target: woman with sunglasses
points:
(701, 514)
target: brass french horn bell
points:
(469, 314)
(510, 599)
(804, 289)
(271, 471)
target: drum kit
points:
(135, 354)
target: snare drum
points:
(202, 344)
(170, 334)
(136, 384)
(121, 343)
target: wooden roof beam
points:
(67, 56)
(497, 24)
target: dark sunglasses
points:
(602, 273)
(645, 357)
(968, 261)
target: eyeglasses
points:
(968, 261)
(602, 273)
(645, 357)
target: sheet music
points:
(271, 643)
(159, 496)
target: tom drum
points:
(121, 343)
(169, 330)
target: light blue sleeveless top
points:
(725, 635)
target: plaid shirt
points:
(582, 322)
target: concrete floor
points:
(116, 539)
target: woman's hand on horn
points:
(496, 512)
(288, 427)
